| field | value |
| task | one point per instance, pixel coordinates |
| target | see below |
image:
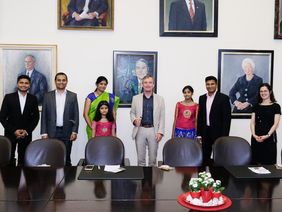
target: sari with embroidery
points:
(105, 96)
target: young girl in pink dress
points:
(185, 118)
(103, 123)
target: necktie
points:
(28, 74)
(191, 10)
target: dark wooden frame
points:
(123, 66)
(229, 69)
(164, 16)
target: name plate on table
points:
(98, 173)
(245, 172)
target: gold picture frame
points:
(12, 64)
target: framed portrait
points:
(86, 14)
(129, 69)
(278, 20)
(193, 18)
(240, 73)
(37, 61)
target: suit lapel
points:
(66, 103)
(214, 102)
(17, 102)
(53, 104)
(141, 104)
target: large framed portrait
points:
(188, 18)
(278, 20)
(86, 14)
(130, 67)
(37, 61)
(240, 73)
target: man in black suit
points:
(214, 117)
(19, 116)
(60, 114)
(187, 15)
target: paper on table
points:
(113, 168)
(259, 170)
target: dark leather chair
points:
(182, 152)
(231, 151)
(104, 150)
(51, 152)
(5, 150)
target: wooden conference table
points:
(47, 189)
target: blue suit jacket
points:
(179, 17)
(38, 85)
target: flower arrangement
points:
(204, 190)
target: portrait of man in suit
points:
(190, 18)
(19, 116)
(39, 62)
(60, 114)
(187, 15)
(129, 71)
(38, 82)
(85, 14)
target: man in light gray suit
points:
(60, 114)
(148, 117)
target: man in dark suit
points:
(214, 117)
(38, 82)
(60, 115)
(85, 12)
(187, 15)
(19, 116)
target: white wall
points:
(84, 55)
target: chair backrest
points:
(5, 150)
(104, 150)
(231, 151)
(51, 152)
(182, 152)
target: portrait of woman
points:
(246, 87)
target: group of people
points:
(208, 119)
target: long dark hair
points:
(98, 115)
(269, 88)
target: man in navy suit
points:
(180, 15)
(60, 114)
(19, 116)
(85, 12)
(214, 117)
(38, 82)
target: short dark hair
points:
(61, 73)
(23, 77)
(189, 88)
(269, 88)
(208, 78)
(100, 79)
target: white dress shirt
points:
(188, 4)
(29, 73)
(22, 99)
(60, 107)
(208, 106)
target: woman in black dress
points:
(264, 122)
